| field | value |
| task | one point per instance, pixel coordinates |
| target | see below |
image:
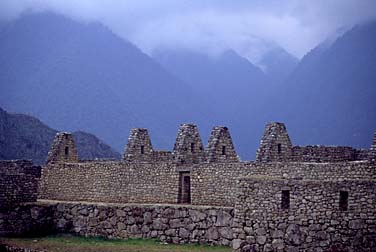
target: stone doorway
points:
(184, 196)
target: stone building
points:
(220, 147)
(139, 146)
(292, 198)
(63, 149)
(18, 182)
(188, 148)
(275, 144)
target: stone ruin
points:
(139, 146)
(188, 148)
(291, 198)
(373, 148)
(220, 147)
(18, 183)
(63, 149)
(275, 144)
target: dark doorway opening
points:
(184, 196)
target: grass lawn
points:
(69, 243)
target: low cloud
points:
(249, 27)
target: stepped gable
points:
(139, 146)
(220, 147)
(275, 144)
(188, 148)
(63, 149)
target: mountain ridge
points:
(92, 80)
(26, 137)
(335, 91)
(85, 77)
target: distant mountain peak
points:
(332, 92)
(76, 75)
(278, 64)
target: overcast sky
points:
(248, 26)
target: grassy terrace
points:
(69, 243)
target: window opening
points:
(192, 147)
(285, 200)
(343, 200)
(279, 148)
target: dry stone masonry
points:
(292, 198)
(139, 146)
(169, 223)
(274, 214)
(188, 148)
(140, 149)
(115, 182)
(323, 153)
(18, 182)
(220, 147)
(373, 148)
(63, 149)
(275, 144)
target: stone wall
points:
(110, 182)
(63, 149)
(140, 149)
(18, 182)
(372, 154)
(27, 219)
(215, 184)
(188, 148)
(305, 215)
(169, 223)
(210, 183)
(323, 153)
(162, 156)
(363, 154)
(275, 144)
(220, 147)
(139, 146)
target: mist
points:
(251, 28)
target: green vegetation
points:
(69, 243)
